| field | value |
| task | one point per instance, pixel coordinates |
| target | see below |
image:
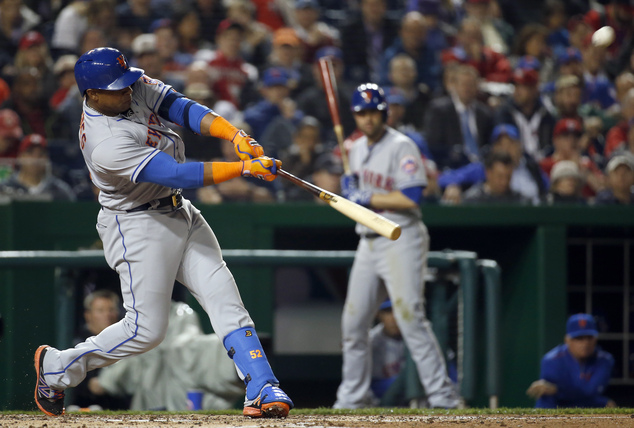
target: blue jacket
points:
(578, 385)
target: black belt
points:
(174, 201)
(370, 235)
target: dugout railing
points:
(473, 299)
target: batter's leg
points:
(403, 269)
(362, 301)
(206, 275)
(135, 247)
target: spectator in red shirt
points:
(621, 136)
(470, 50)
(313, 33)
(230, 74)
(10, 136)
(566, 145)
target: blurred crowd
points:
(509, 101)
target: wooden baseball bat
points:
(330, 88)
(356, 212)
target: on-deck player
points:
(151, 234)
(387, 175)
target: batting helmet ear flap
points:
(369, 96)
(104, 68)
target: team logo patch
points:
(248, 333)
(367, 96)
(122, 62)
(583, 323)
(408, 164)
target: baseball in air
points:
(603, 37)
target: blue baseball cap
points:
(386, 305)
(568, 55)
(528, 62)
(276, 76)
(331, 51)
(505, 129)
(581, 325)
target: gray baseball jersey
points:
(390, 268)
(394, 163)
(117, 148)
(148, 249)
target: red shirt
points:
(616, 137)
(493, 66)
(228, 77)
(585, 164)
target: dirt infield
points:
(315, 421)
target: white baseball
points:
(603, 37)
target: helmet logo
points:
(122, 62)
(583, 323)
(367, 96)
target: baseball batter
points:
(151, 234)
(387, 175)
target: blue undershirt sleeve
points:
(164, 170)
(414, 193)
(183, 111)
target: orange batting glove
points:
(246, 147)
(263, 167)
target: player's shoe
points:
(49, 400)
(271, 403)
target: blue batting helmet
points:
(368, 96)
(104, 68)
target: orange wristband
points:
(221, 128)
(223, 171)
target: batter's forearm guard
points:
(244, 347)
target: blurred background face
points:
(566, 145)
(373, 11)
(33, 161)
(593, 58)
(566, 186)
(413, 31)
(306, 17)
(189, 27)
(621, 179)
(525, 94)
(276, 93)
(470, 35)
(568, 100)
(499, 178)
(94, 39)
(477, 10)
(403, 72)
(581, 347)
(67, 79)
(536, 45)
(166, 42)
(229, 42)
(574, 68)
(151, 63)
(307, 137)
(466, 87)
(506, 144)
(102, 314)
(28, 87)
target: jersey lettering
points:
(153, 137)
(153, 120)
